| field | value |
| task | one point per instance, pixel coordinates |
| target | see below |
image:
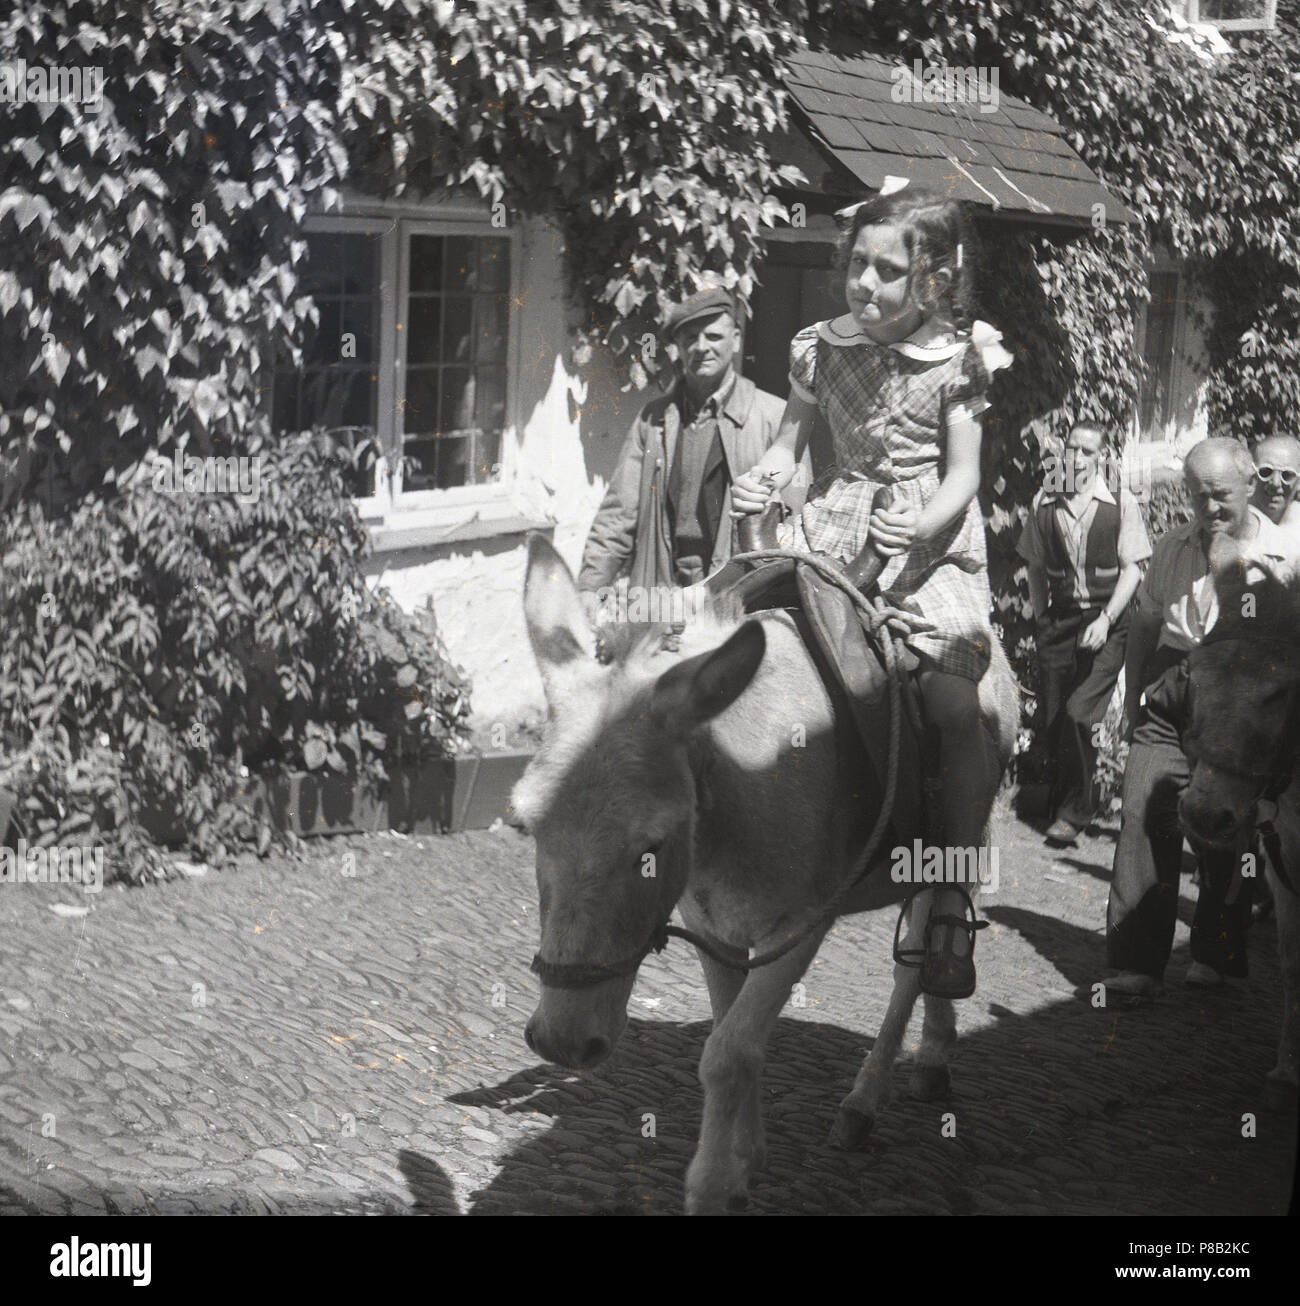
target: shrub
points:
(156, 643)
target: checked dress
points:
(888, 407)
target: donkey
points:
(669, 778)
(1245, 742)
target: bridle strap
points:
(584, 975)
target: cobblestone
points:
(371, 997)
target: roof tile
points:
(1015, 158)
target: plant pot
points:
(462, 793)
(318, 802)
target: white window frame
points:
(375, 506)
(460, 494)
(1264, 24)
(424, 518)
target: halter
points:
(586, 975)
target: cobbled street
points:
(291, 1037)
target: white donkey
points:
(669, 778)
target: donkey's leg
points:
(724, 985)
(857, 1114)
(1284, 1078)
(931, 1078)
(731, 1135)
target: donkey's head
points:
(610, 800)
(1243, 691)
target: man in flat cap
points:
(665, 520)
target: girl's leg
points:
(969, 775)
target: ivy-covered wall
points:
(153, 240)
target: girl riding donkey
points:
(901, 379)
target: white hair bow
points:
(887, 187)
(988, 340)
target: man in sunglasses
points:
(1176, 607)
(1277, 479)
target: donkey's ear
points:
(557, 626)
(696, 690)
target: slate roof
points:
(851, 134)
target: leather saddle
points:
(847, 655)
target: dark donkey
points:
(1245, 741)
(670, 778)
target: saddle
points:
(845, 652)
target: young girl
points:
(901, 385)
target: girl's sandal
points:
(943, 973)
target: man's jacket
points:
(632, 533)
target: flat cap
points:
(704, 303)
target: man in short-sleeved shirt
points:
(1175, 608)
(1084, 550)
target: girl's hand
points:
(893, 530)
(749, 493)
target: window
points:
(1156, 409)
(417, 378)
(455, 336)
(1234, 15)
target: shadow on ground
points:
(1071, 1110)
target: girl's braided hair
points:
(937, 235)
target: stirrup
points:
(959, 979)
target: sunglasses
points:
(1284, 476)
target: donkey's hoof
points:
(930, 1083)
(852, 1128)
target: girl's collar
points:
(845, 331)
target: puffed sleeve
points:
(803, 364)
(966, 396)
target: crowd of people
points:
(901, 380)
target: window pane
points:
(420, 464)
(487, 454)
(420, 412)
(457, 318)
(424, 324)
(426, 263)
(456, 409)
(360, 319)
(341, 273)
(1221, 11)
(493, 323)
(339, 396)
(490, 398)
(455, 463)
(460, 265)
(494, 264)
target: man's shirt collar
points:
(712, 406)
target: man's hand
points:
(893, 530)
(749, 493)
(1096, 635)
